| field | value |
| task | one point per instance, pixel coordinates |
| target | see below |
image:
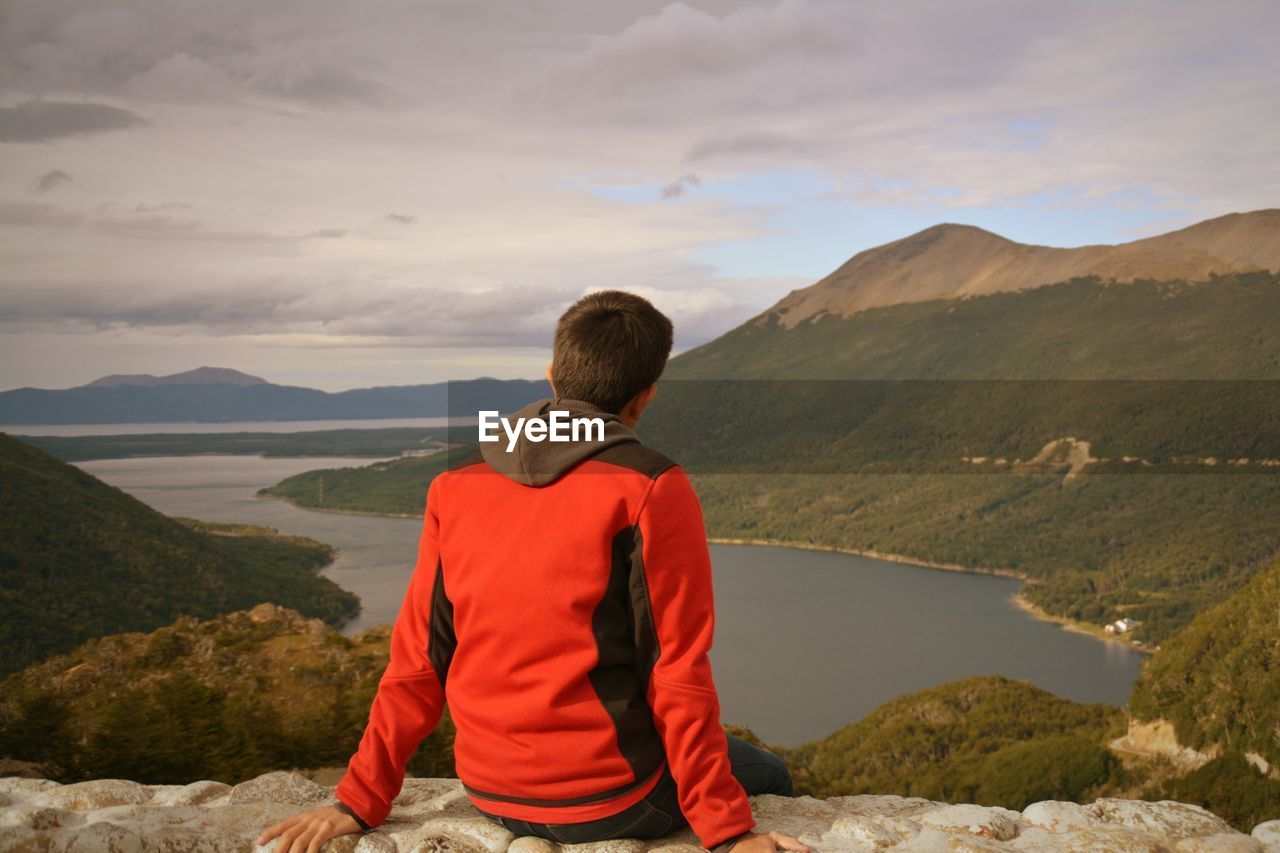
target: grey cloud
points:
(163, 227)
(144, 306)
(331, 86)
(38, 215)
(320, 55)
(42, 121)
(325, 234)
(689, 43)
(401, 218)
(511, 316)
(751, 143)
(352, 312)
(50, 180)
(677, 187)
(136, 226)
(143, 207)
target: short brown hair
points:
(609, 346)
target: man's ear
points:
(636, 405)
(551, 382)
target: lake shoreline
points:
(877, 555)
(943, 629)
(297, 505)
(1078, 627)
(1020, 601)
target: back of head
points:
(609, 346)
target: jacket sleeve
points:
(681, 692)
(410, 697)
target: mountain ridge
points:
(199, 376)
(220, 401)
(954, 260)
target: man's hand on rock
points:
(307, 832)
(768, 842)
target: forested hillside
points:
(1117, 444)
(985, 740)
(1218, 681)
(226, 698)
(397, 487)
(80, 558)
(240, 694)
(1220, 328)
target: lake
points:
(806, 641)
(187, 427)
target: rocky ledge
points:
(434, 816)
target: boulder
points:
(435, 816)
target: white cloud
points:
(398, 172)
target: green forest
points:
(985, 740)
(80, 558)
(1218, 681)
(1155, 547)
(396, 487)
(240, 694)
(226, 698)
(1157, 544)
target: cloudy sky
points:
(346, 194)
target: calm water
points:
(185, 427)
(806, 641)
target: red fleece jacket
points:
(562, 606)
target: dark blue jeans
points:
(757, 770)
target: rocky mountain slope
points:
(950, 261)
(1078, 329)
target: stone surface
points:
(995, 823)
(23, 785)
(189, 795)
(862, 831)
(1060, 817)
(1165, 819)
(1234, 843)
(280, 786)
(434, 816)
(1268, 835)
(529, 844)
(98, 794)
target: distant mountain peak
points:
(957, 229)
(199, 376)
(949, 237)
(951, 261)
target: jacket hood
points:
(537, 463)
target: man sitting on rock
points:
(563, 592)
